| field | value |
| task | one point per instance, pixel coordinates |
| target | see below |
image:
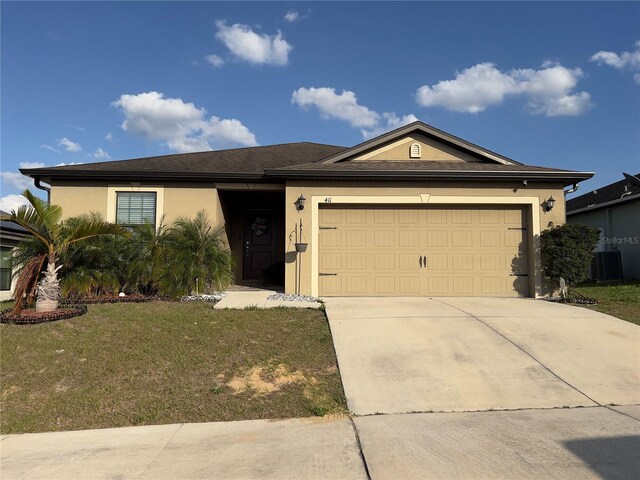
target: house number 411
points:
(327, 200)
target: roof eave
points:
(47, 176)
(567, 177)
(610, 203)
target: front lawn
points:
(159, 363)
(620, 300)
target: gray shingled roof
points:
(604, 195)
(250, 161)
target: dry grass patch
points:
(158, 363)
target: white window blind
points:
(136, 208)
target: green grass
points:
(621, 300)
(159, 363)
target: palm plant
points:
(51, 238)
(196, 257)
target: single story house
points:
(615, 210)
(11, 234)
(413, 212)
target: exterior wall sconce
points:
(299, 203)
(549, 203)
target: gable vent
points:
(415, 151)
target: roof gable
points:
(435, 145)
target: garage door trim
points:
(427, 199)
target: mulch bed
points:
(31, 317)
(133, 298)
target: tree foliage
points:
(567, 251)
(51, 238)
(196, 258)
(86, 256)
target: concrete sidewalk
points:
(585, 443)
(310, 448)
(576, 443)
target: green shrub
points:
(567, 251)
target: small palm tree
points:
(196, 257)
(44, 221)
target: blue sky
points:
(552, 84)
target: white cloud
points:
(12, 202)
(549, 90)
(182, 126)
(69, 145)
(292, 17)
(31, 165)
(215, 60)
(16, 179)
(49, 147)
(109, 137)
(70, 163)
(391, 121)
(344, 106)
(101, 154)
(254, 47)
(621, 61)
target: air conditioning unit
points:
(606, 266)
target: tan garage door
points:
(435, 251)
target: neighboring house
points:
(615, 210)
(11, 234)
(415, 211)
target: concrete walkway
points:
(258, 299)
(406, 355)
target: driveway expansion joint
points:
(522, 350)
(161, 450)
(360, 450)
(611, 407)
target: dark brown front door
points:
(259, 242)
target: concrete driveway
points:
(402, 355)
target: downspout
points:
(571, 190)
(36, 182)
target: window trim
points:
(155, 208)
(112, 199)
(9, 268)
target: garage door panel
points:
(462, 285)
(356, 285)
(355, 238)
(409, 238)
(468, 251)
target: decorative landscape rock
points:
(213, 297)
(290, 297)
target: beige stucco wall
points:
(174, 199)
(317, 192)
(431, 150)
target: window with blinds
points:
(136, 208)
